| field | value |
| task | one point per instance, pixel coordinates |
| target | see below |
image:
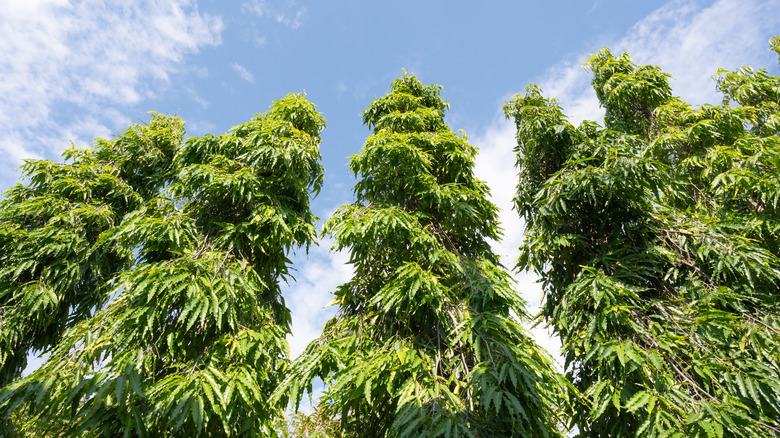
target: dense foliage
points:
(657, 237)
(53, 271)
(427, 341)
(189, 335)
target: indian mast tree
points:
(189, 335)
(428, 338)
(657, 239)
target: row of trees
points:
(149, 267)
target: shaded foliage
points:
(656, 238)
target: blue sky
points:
(75, 70)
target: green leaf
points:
(638, 400)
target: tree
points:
(427, 340)
(189, 338)
(657, 241)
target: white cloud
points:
(495, 166)
(317, 275)
(685, 40)
(569, 83)
(243, 73)
(692, 43)
(89, 58)
(288, 14)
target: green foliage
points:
(628, 93)
(774, 45)
(193, 341)
(657, 241)
(322, 422)
(427, 341)
(54, 265)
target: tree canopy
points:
(189, 335)
(656, 237)
(428, 338)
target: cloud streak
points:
(243, 73)
(289, 15)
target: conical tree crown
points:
(416, 163)
(424, 343)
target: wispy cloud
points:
(686, 40)
(199, 128)
(287, 13)
(243, 73)
(692, 43)
(260, 40)
(71, 69)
